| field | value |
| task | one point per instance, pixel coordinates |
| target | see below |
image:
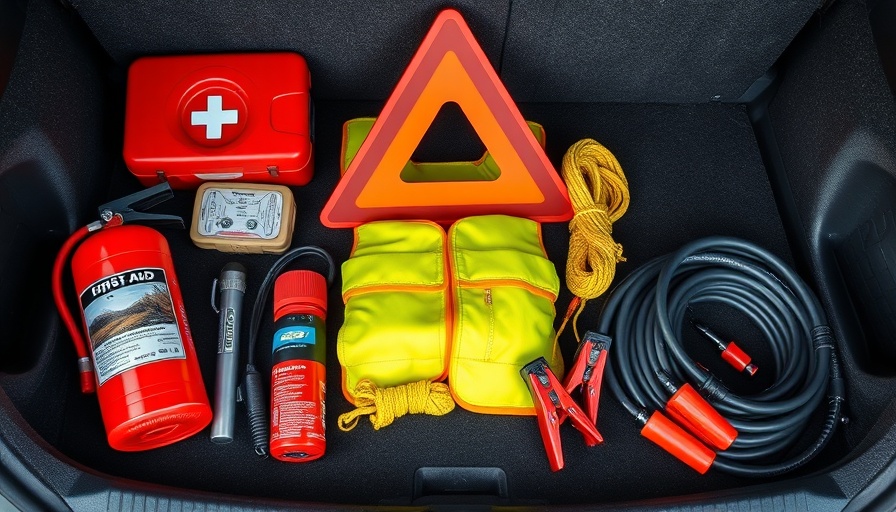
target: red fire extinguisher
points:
(139, 355)
(298, 376)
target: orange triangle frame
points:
(449, 66)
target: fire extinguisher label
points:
(131, 321)
(298, 391)
(293, 336)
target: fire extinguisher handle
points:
(152, 219)
(130, 208)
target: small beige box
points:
(243, 218)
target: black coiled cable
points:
(645, 316)
(256, 403)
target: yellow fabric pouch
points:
(397, 306)
(504, 290)
(483, 294)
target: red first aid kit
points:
(242, 117)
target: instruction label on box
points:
(241, 213)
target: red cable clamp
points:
(552, 406)
(588, 371)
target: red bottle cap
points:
(300, 292)
(737, 358)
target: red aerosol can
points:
(139, 354)
(298, 376)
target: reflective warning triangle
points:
(449, 66)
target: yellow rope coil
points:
(385, 404)
(599, 194)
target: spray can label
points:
(298, 388)
(130, 321)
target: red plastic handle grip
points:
(736, 357)
(697, 415)
(670, 437)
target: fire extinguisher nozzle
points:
(88, 383)
(85, 369)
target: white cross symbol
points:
(214, 118)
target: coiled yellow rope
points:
(599, 194)
(385, 404)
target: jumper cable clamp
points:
(588, 371)
(552, 406)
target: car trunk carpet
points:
(693, 170)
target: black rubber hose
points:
(256, 404)
(645, 315)
(257, 408)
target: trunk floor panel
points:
(693, 170)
